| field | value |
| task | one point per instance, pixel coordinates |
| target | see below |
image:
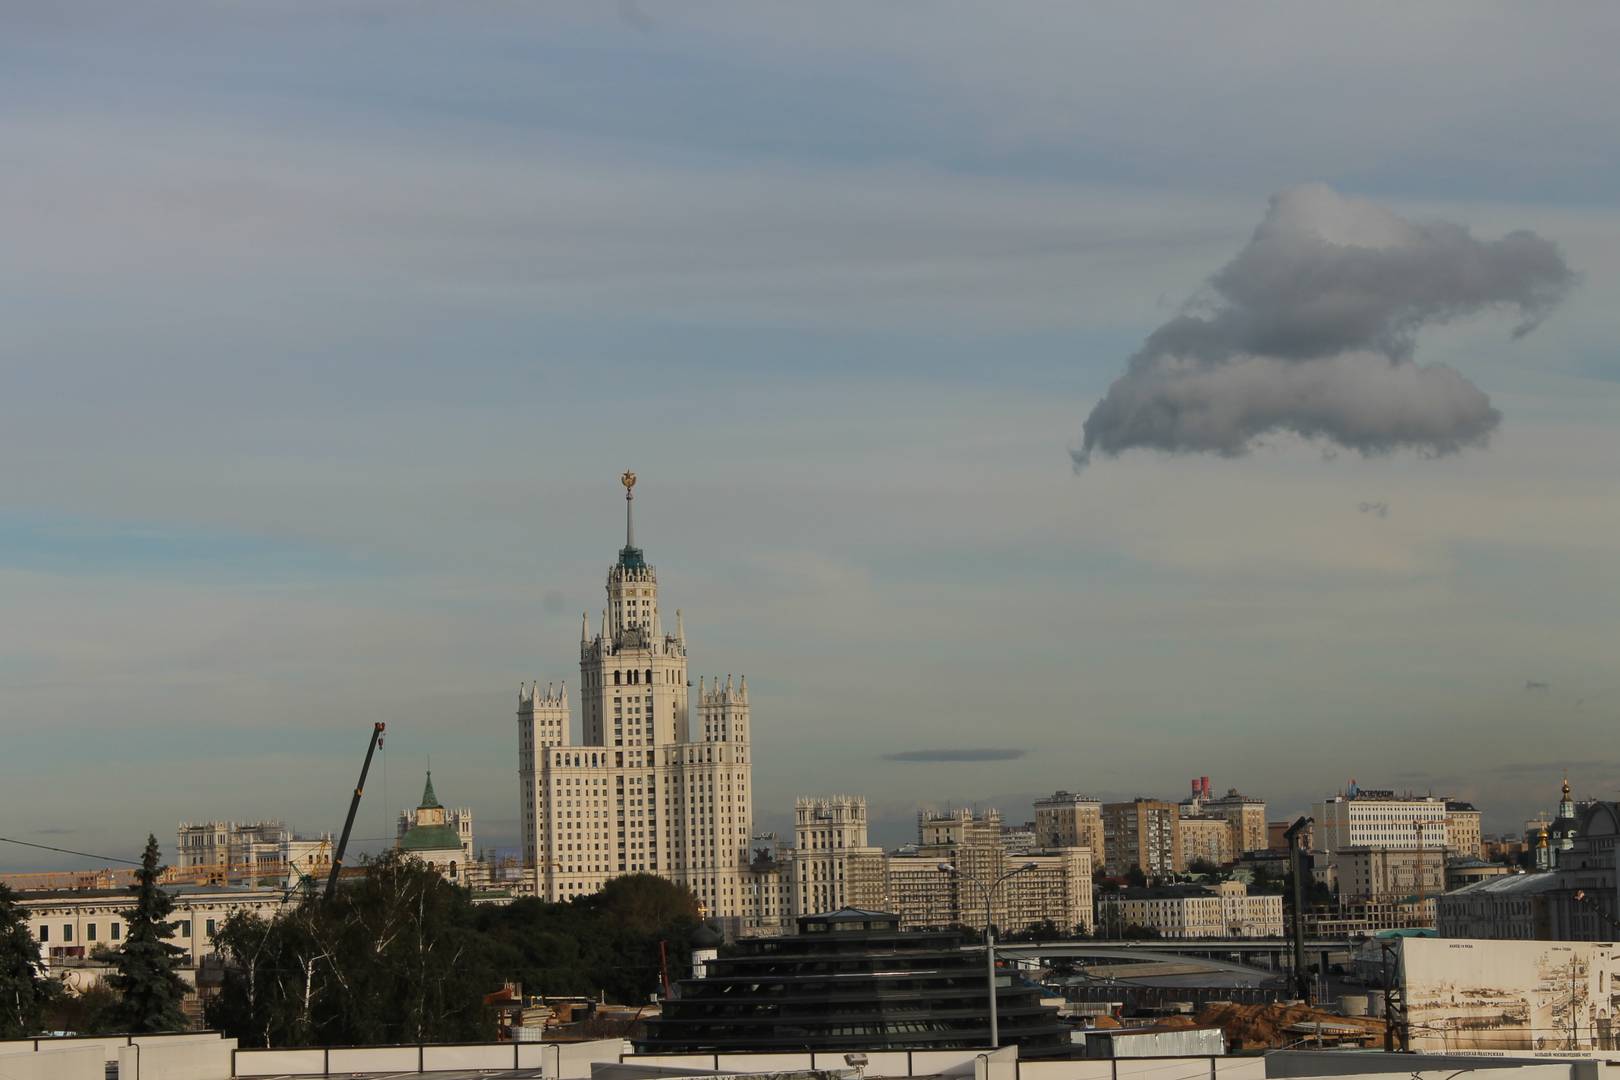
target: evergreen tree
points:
(23, 992)
(146, 979)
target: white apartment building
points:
(1367, 818)
(1225, 910)
(660, 783)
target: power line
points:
(68, 851)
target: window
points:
(185, 928)
(44, 933)
(90, 932)
(210, 926)
(117, 930)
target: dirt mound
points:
(1255, 1027)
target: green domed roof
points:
(430, 838)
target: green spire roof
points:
(429, 800)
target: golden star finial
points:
(628, 479)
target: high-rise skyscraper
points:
(660, 783)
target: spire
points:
(584, 627)
(630, 555)
(604, 626)
(629, 482)
(429, 800)
(680, 628)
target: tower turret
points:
(723, 711)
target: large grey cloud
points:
(1311, 329)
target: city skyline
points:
(329, 333)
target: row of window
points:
(115, 931)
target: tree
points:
(91, 1011)
(1135, 877)
(146, 978)
(24, 991)
(392, 958)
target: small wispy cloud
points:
(1537, 685)
(988, 753)
(1381, 509)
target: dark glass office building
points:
(850, 980)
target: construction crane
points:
(354, 807)
(1295, 837)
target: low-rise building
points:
(1464, 872)
(1371, 917)
(73, 924)
(1225, 910)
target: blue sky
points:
(325, 330)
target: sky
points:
(1046, 396)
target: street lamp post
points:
(989, 936)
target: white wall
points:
(75, 1063)
(177, 1059)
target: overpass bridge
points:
(1267, 956)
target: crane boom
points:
(354, 807)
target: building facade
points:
(1064, 819)
(1225, 910)
(71, 924)
(927, 894)
(1578, 900)
(661, 781)
(831, 865)
(852, 980)
(1369, 818)
(1144, 833)
(1463, 839)
(1246, 814)
(1379, 874)
(1207, 839)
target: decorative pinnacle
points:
(629, 482)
